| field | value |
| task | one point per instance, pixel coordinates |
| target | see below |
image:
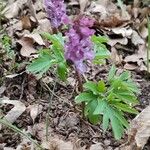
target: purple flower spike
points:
(56, 11)
(79, 47)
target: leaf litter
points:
(126, 27)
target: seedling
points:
(109, 101)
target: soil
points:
(65, 120)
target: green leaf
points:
(112, 73)
(116, 127)
(125, 108)
(99, 39)
(101, 86)
(121, 118)
(54, 38)
(101, 52)
(57, 44)
(42, 64)
(62, 70)
(89, 109)
(105, 121)
(101, 106)
(125, 76)
(85, 97)
(126, 96)
(131, 86)
(89, 85)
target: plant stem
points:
(80, 85)
(47, 115)
(148, 49)
(15, 129)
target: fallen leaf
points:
(12, 10)
(125, 32)
(122, 41)
(83, 4)
(57, 144)
(44, 26)
(27, 46)
(36, 38)
(139, 131)
(116, 59)
(26, 23)
(2, 89)
(35, 110)
(8, 148)
(15, 112)
(129, 66)
(136, 39)
(97, 146)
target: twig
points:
(22, 89)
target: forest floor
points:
(22, 23)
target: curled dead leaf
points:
(15, 112)
(27, 44)
(35, 110)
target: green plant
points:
(53, 57)
(108, 101)
(6, 44)
(100, 49)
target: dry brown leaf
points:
(97, 146)
(139, 132)
(57, 144)
(83, 4)
(129, 66)
(27, 46)
(35, 110)
(2, 89)
(26, 23)
(116, 59)
(36, 38)
(44, 26)
(138, 58)
(125, 32)
(122, 41)
(8, 148)
(103, 9)
(40, 131)
(15, 112)
(136, 39)
(12, 10)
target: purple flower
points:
(56, 11)
(79, 47)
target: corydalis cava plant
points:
(56, 12)
(79, 46)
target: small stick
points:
(80, 84)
